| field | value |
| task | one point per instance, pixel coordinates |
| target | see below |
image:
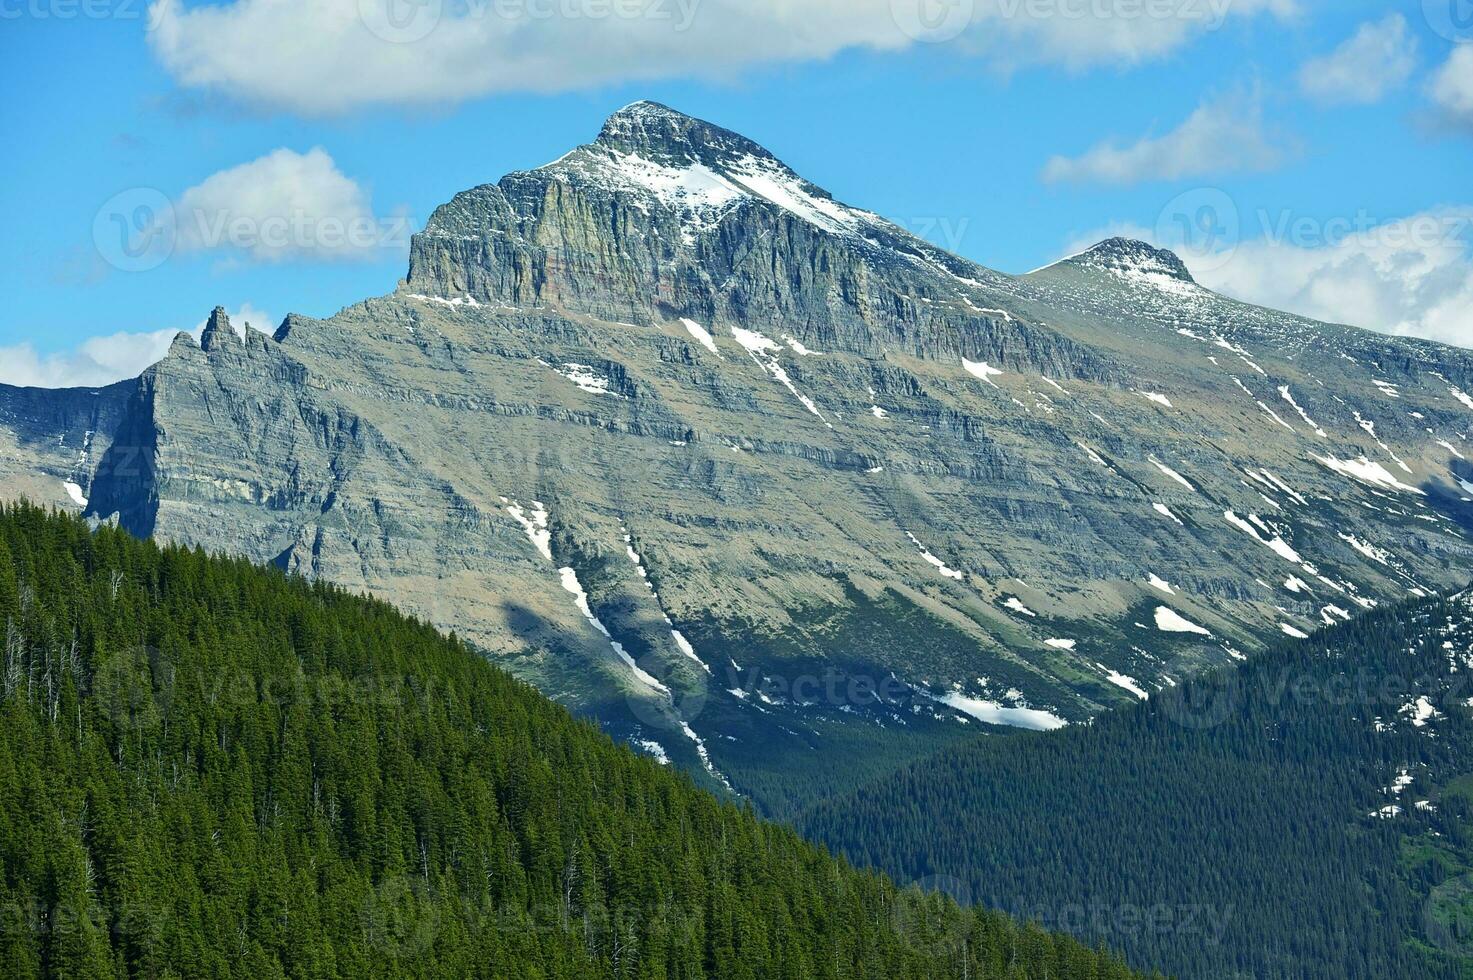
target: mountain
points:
(775, 489)
(1307, 815)
(212, 769)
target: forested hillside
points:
(211, 769)
(1309, 815)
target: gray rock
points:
(868, 466)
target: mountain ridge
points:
(1306, 814)
(836, 451)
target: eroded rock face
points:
(665, 216)
(757, 477)
(51, 440)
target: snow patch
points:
(1366, 471)
(586, 379)
(763, 350)
(1168, 620)
(705, 756)
(797, 347)
(1128, 683)
(701, 334)
(1278, 545)
(1421, 712)
(457, 301)
(996, 714)
(655, 749)
(981, 369)
(1284, 393)
(534, 525)
(1165, 511)
(1157, 582)
(1016, 605)
(1372, 552)
(932, 559)
(1173, 474)
(580, 599)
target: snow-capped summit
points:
(1133, 258)
(668, 160)
(804, 428)
(659, 132)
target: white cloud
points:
(1219, 137)
(283, 206)
(330, 56)
(1452, 86)
(1080, 34)
(1380, 57)
(1410, 276)
(99, 361)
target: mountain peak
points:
(1134, 257)
(666, 135)
(644, 110)
(218, 332)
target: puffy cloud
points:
(1380, 57)
(330, 56)
(99, 361)
(1452, 86)
(1410, 276)
(284, 205)
(1080, 34)
(1218, 137)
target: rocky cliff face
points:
(777, 490)
(51, 440)
(665, 216)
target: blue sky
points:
(1339, 136)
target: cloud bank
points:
(333, 56)
(1224, 136)
(1380, 57)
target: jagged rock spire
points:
(218, 333)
